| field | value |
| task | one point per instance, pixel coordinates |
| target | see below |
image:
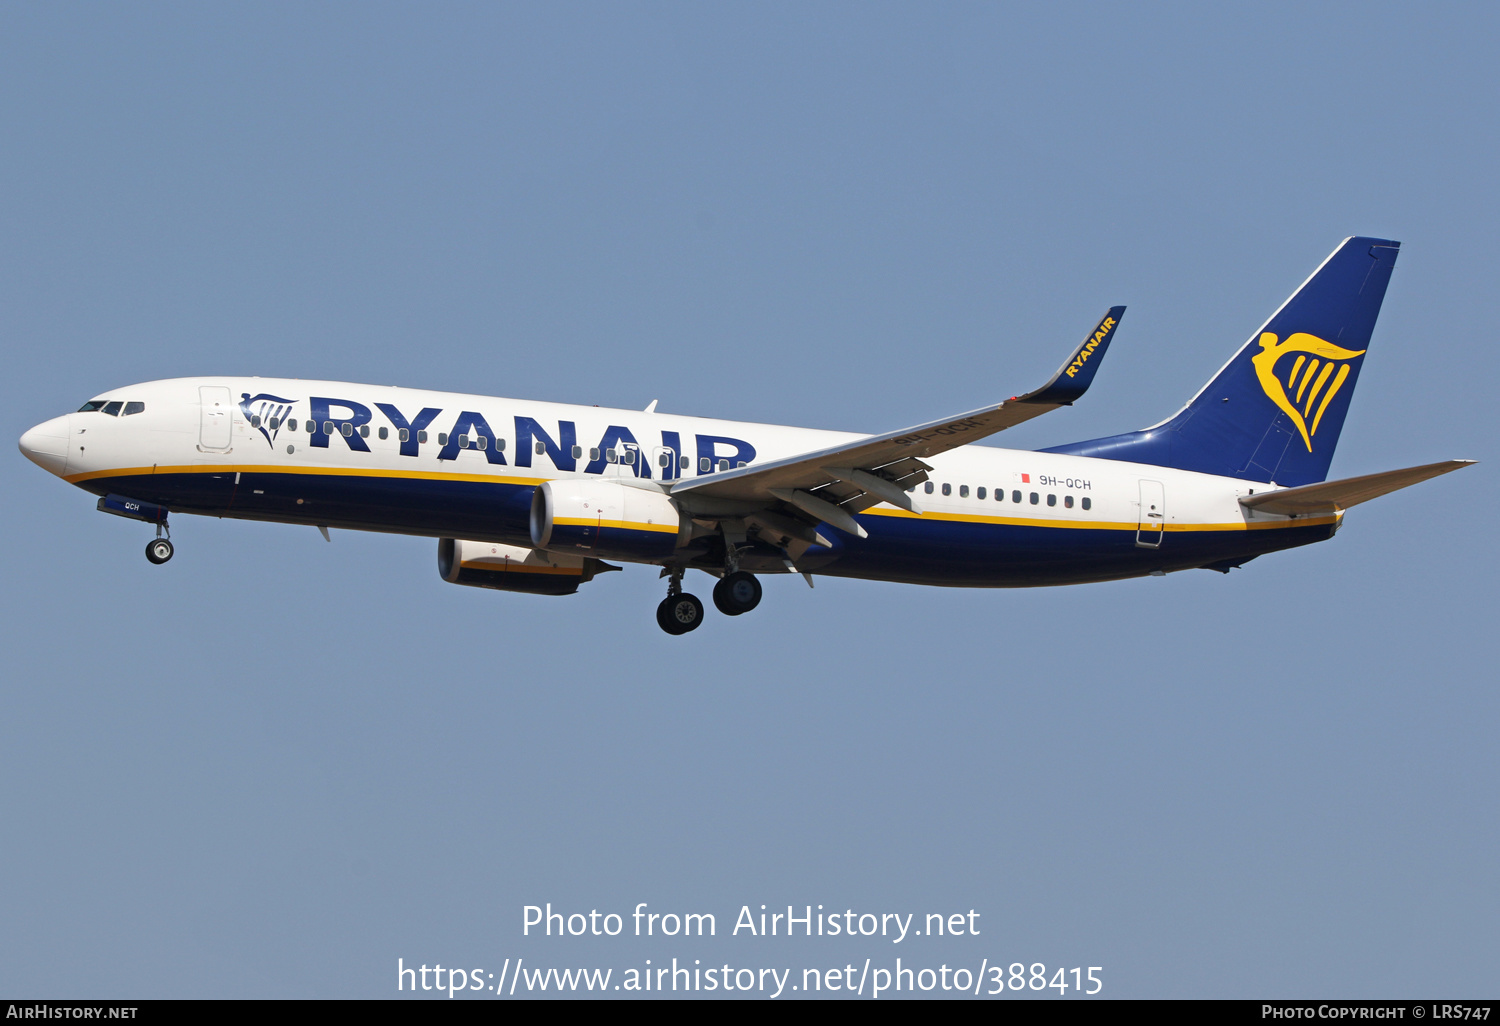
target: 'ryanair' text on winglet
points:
(1075, 376)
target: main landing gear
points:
(736, 592)
(679, 612)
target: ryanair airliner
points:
(534, 497)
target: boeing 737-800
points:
(534, 497)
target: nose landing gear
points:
(159, 550)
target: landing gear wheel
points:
(737, 593)
(680, 613)
(159, 551)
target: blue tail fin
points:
(1275, 411)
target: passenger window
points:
(347, 429)
(630, 457)
(442, 438)
(499, 445)
(92, 406)
(481, 443)
(578, 452)
(1068, 501)
(1051, 500)
(364, 431)
(1086, 502)
(255, 420)
(328, 427)
(979, 492)
(541, 448)
(947, 488)
(963, 491)
(384, 434)
(312, 428)
(741, 463)
(593, 455)
(723, 465)
(421, 437)
(1015, 496)
(705, 464)
(611, 456)
(113, 409)
(1035, 498)
(927, 488)
(292, 424)
(463, 441)
(665, 460)
(686, 462)
(273, 424)
(133, 408)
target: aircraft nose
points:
(46, 445)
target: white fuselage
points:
(241, 447)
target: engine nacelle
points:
(605, 518)
(513, 567)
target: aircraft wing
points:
(831, 484)
(1332, 496)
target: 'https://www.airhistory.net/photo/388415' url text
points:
(871, 977)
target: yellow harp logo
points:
(1307, 380)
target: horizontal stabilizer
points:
(1332, 496)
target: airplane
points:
(534, 497)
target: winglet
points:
(1075, 376)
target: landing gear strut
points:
(679, 612)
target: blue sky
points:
(275, 765)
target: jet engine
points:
(606, 518)
(514, 568)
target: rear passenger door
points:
(1152, 521)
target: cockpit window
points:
(91, 406)
(133, 408)
(113, 409)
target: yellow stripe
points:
(1318, 387)
(1291, 381)
(1306, 378)
(1338, 383)
(627, 525)
(200, 468)
(427, 475)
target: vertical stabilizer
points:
(1275, 411)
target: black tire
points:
(679, 614)
(737, 593)
(159, 550)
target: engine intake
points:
(514, 568)
(604, 518)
